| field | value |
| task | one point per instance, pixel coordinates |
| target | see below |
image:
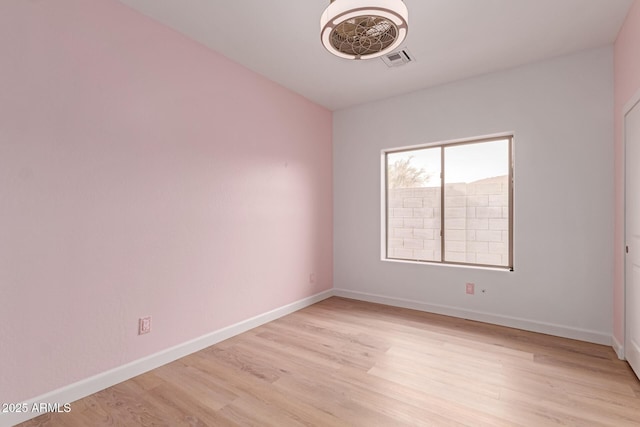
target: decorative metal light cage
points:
(363, 29)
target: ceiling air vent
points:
(397, 58)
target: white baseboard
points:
(617, 347)
(496, 319)
(114, 376)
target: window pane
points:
(413, 205)
(476, 217)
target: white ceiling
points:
(450, 40)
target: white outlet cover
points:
(144, 325)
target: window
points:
(450, 203)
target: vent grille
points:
(397, 58)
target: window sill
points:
(443, 264)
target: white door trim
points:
(633, 101)
(629, 106)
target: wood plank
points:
(349, 363)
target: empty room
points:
(319, 213)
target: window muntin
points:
(472, 180)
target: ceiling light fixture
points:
(363, 29)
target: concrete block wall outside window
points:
(477, 203)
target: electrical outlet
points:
(471, 288)
(144, 325)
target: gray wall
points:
(560, 112)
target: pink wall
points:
(627, 84)
(142, 174)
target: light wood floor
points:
(343, 362)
